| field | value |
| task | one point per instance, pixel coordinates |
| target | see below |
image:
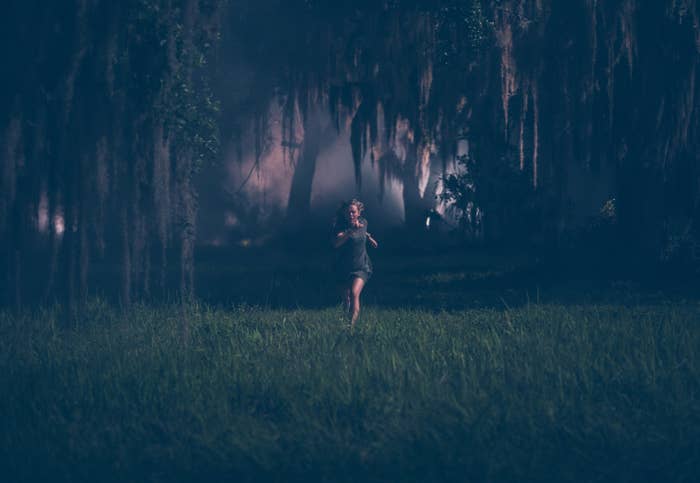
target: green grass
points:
(537, 393)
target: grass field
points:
(533, 392)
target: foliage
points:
(458, 21)
(109, 129)
(167, 66)
(595, 247)
(190, 108)
(459, 192)
(470, 193)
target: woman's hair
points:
(340, 221)
(356, 202)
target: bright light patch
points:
(43, 213)
(423, 168)
(59, 224)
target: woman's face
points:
(353, 213)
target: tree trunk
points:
(415, 206)
(302, 182)
(187, 211)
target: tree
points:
(105, 132)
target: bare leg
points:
(357, 286)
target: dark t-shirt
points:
(352, 260)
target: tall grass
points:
(539, 393)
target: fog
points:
(247, 198)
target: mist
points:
(256, 188)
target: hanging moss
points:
(108, 111)
(111, 113)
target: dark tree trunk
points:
(125, 291)
(302, 182)
(187, 210)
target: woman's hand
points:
(372, 241)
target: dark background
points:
(154, 150)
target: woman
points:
(353, 266)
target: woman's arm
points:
(341, 238)
(372, 241)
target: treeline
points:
(570, 119)
(555, 109)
